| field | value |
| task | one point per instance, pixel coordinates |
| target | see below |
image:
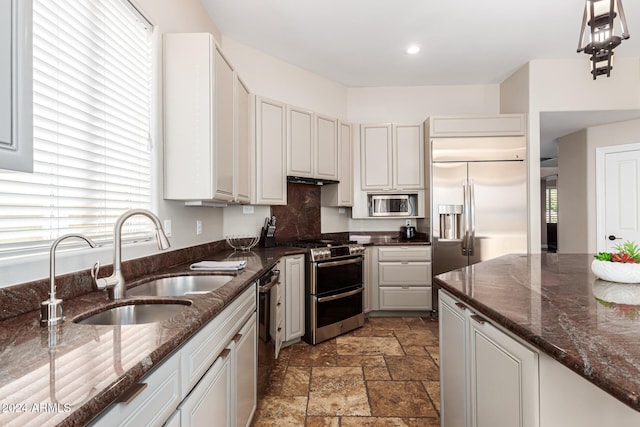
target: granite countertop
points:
(68, 374)
(388, 239)
(555, 303)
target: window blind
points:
(91, 115)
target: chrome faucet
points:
(115, 283)
(51, 310)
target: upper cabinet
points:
(270, 179)
(312, 144)
(342, 193)
(242, 142)
(16, 123)
(206, 119)
(461, 126)
(392, 157)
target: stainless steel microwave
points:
(392, 205)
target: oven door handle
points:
(340, 262)
(342, 295)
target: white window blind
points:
(91, 115)
(551, 213)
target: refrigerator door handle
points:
(472, 218)
(465, 219)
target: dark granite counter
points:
(549, 300)
(68, 374)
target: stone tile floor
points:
(383, 374)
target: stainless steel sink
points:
(180, 286)
(136, 313)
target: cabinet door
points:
(345, 188)
(245, 371)
(300, 153)
(454, 399)
(375, 157)
(294, 297)
(209, 400)
(16, 123)
(270, 171)
(223, 128)
(326, 147)
(408, 157)
(242, 175)
(405, 297)
(504, 379)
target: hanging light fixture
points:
(598, 36)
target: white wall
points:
(548, 85)
(168, 16)
(573, 209)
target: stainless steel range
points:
(334, 289)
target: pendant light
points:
(598, 34)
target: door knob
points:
(612, 237)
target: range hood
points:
(310, 181)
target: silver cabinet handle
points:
(472, 217)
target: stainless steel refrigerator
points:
(478, 200)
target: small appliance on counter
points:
(268, 238)
(407, 232)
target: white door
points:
(618, 195)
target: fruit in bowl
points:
(622, 266)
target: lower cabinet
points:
(294, 297)
(487, 378)
(404, 277)
(211, 377)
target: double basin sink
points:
(150, 311)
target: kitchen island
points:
(584, 352)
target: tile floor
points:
(383, 374)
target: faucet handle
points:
(95, 269)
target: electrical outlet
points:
(341, 210)
(247, 210)
(408, 223)
(167, 227)
(198, 227)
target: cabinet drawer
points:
(405, 298)
(199, 353)
(405, 274)
(155, 404)
(405, 253)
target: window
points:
(91, 118)
(551, 209)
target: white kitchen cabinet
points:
(16, 122)
(211, 376)
(294, 298)
(392, 157)
(276, 325)
(242, 142)
(325, 147)
(473, 126)
(244, 365)
(404, 277)
(300, 135)
(408, 157)
(210, 399)
(312, 144)
(487, 377)
(199, 120)
(342, 193)
(375, 157)
(269, 179)
(159, 398)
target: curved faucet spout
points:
(51, 310)
(115, 283)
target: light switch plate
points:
(167, 227)
(247, 210)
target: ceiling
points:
(361, 43)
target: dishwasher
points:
(266, 345)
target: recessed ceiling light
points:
(413, 49)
